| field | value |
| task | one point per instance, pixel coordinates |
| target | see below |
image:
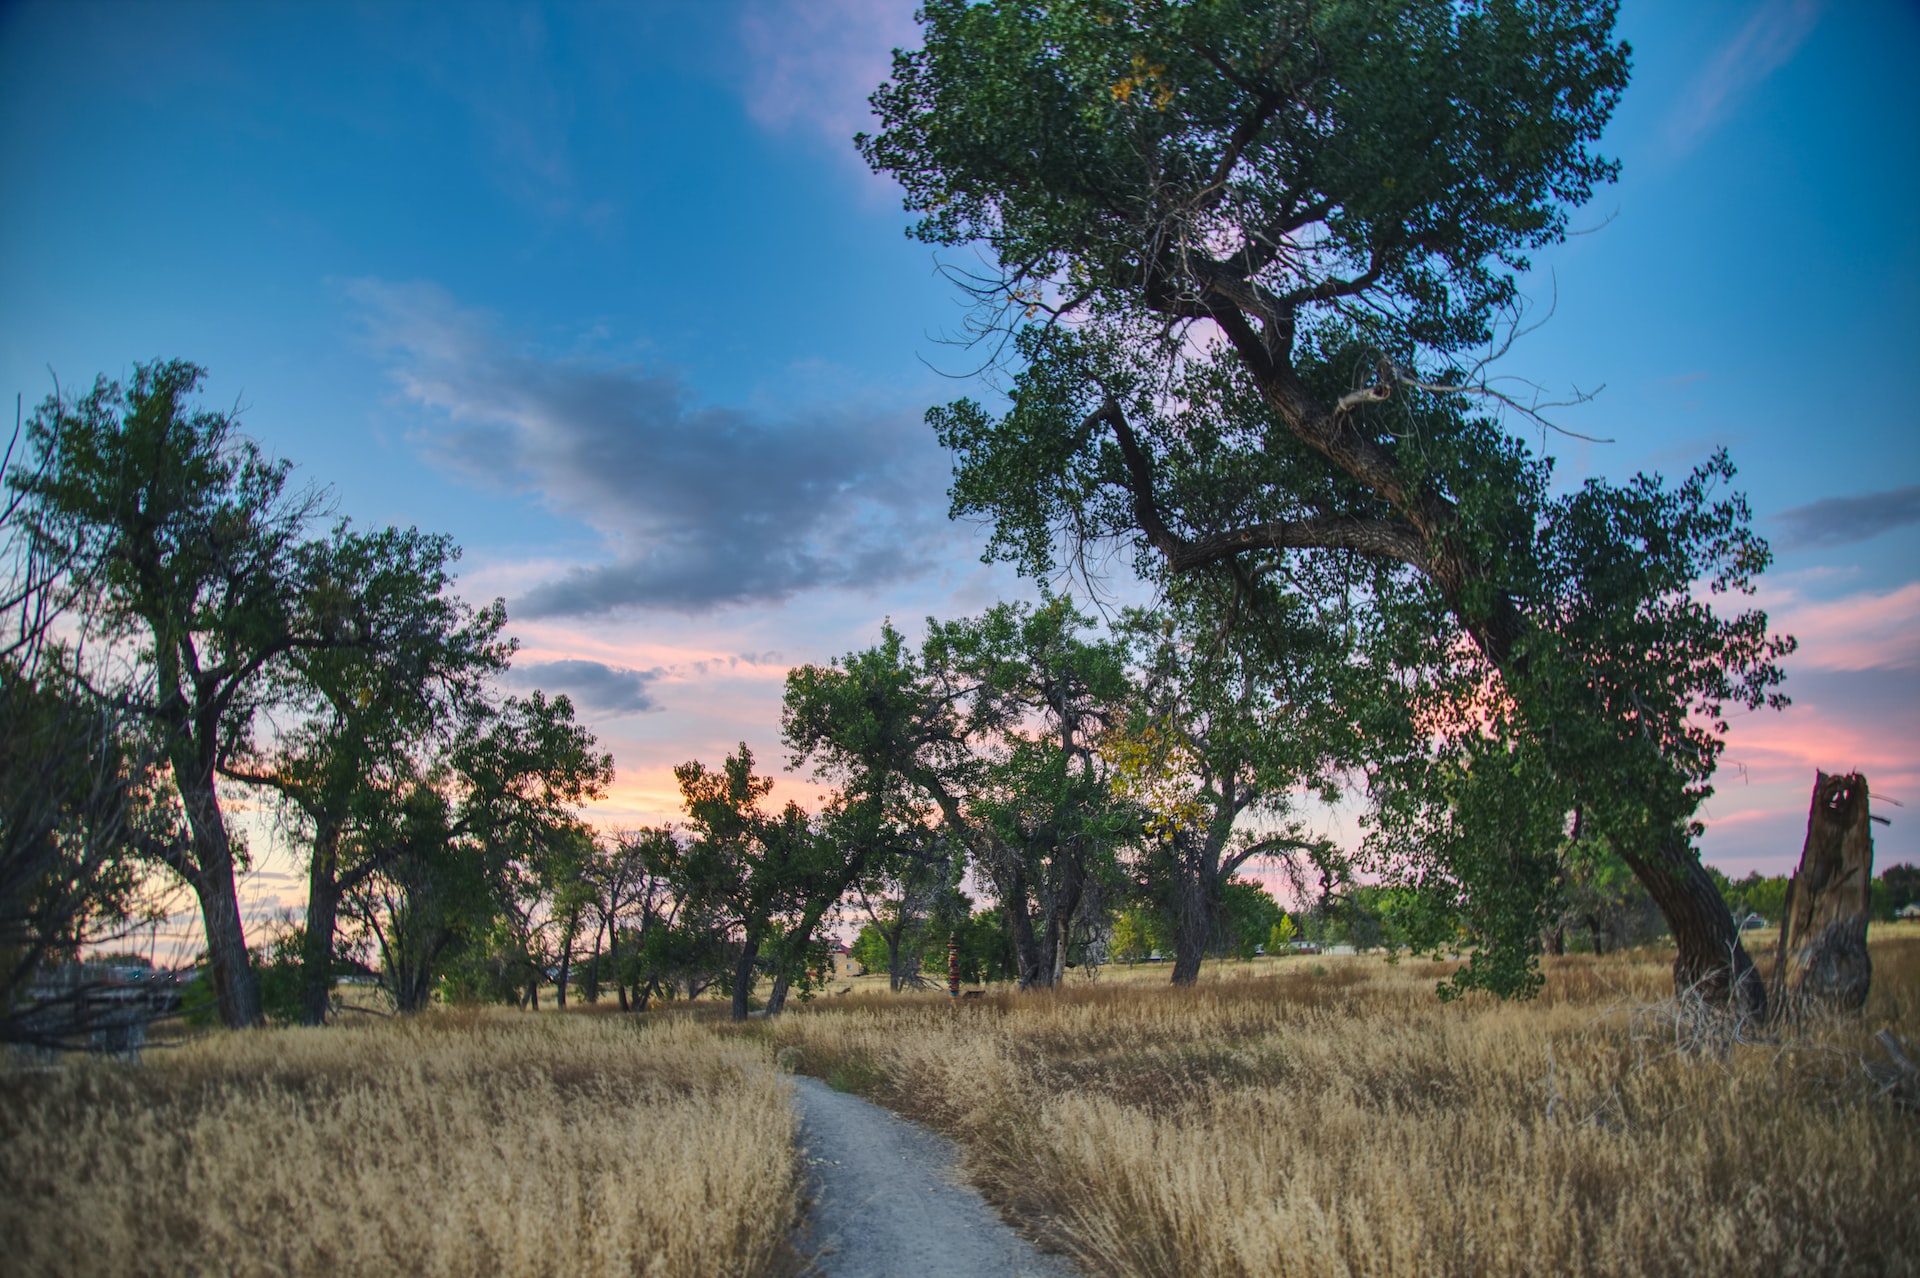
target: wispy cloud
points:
(1838, 521)
(1863, 631)
(1762, 46)
(812, 64)
(699, 505)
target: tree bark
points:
(1193, 917)
(323, 910)
(1825, 931)
(1011, 885)
(1710, 961)
(236, 991)
(743, 974)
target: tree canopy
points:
(1250, 264)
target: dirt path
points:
(888, 1200)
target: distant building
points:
(1911, 910)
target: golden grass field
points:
(1310, 1115)
(1329, 1116)
(458, 1144)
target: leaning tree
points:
(1241, 256)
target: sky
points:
(605, 292)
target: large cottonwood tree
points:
(185, 547)
(1243, 251)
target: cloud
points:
(593, 685)
(813, 63)
(1765, 44)
(1837, 521)
(1862, 631)
(699, 505)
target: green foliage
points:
(279, 970)
(1138, 933)
(79, 790)
(1340, 194)
(1755, 894)
(1282, 935)
(983, 739)
(869, 949)
(1902, 883)
(1431, 143)
(1249, 915)
(986, 949)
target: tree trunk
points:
(1825, 932)
(743, 975)
(1711, 961)
(1065, 903)
(793, 948)
(894, 938)
(1012, 888)
(592, 983)
(1192, 928)
(237, 992)
(323, 910)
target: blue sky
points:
(604, 291)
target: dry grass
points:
(1331, 1117)
(454, 1144)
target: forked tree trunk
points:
(1026, 946)
(1824, 936)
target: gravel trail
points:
(888, 1201)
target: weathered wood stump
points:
(1824, 936)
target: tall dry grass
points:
(1337, 1119)
(450, 1144)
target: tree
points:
(79, 787)
(420, 659)
(759, 866)
(867, 725)
(469, 839)
(675, 938)
(1902, 886)
(1278, 228)
(186, 541)
(993, 722)
(1035, 803)
(1236, 710)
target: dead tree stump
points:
(1824, 936)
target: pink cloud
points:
(1862, 631)
(1766, 43)
(812, 63)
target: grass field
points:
(457, 1144)
(1318, 1115)
(1328, 1116)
